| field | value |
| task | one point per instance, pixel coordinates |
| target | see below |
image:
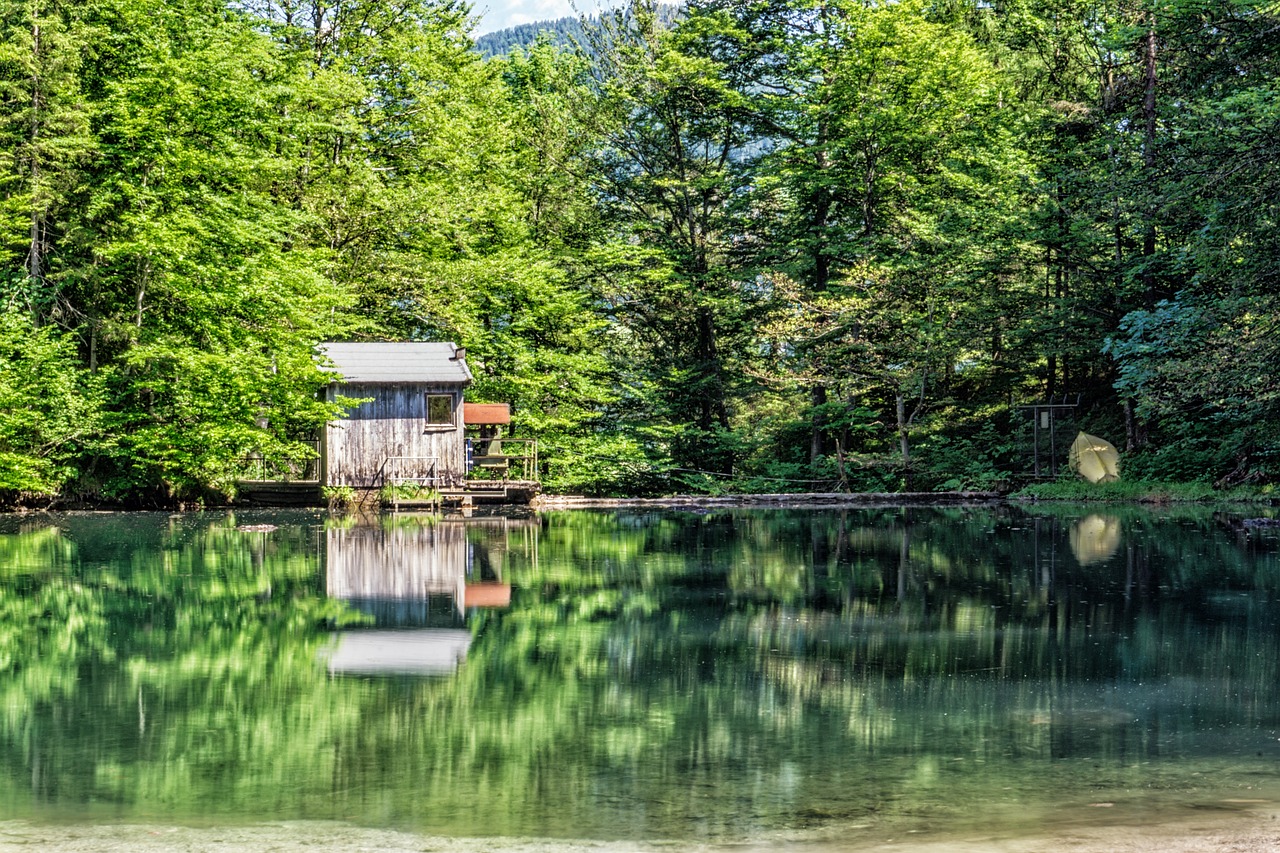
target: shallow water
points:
(779, 676)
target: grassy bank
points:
(1144, 491)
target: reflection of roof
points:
(433, 363)
(424, 652)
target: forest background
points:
(777, 245)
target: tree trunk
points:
(821, 276)
(1132, 430)
(903, 440)
(1149, 161)
(817, 444)
(35, 255)
(841, 468)
(712, 409)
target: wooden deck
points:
(518, 492)
(280, 493)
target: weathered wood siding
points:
(393, 425)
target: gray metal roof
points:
(432, 363)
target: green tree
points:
(1197, 361)
(677, 297)
(44, 128)
(50, 410)
(884, 203)
(198, 313)
(519, 301)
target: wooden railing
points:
(398, 472)
(425, 470)
(255, 468)
(503, 459)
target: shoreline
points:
(744, 500)
(805, 500)
(1254, 830)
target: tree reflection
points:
(655, 675)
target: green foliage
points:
(1142, 491)
(340, 497)
(682, 310)
(882, 227)
(1200, 368)
(694, 254)
(50, 412)
(603, 465)
(392, 492)
(978, 462)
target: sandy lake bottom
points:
(1248, 830)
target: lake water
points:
(787, 676)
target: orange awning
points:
(486, 414)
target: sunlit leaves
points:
(176, 254)
(49, 411)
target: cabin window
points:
(440, 409)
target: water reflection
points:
(1095, 538)
(718, 676)
(426, 651)
(418, 574)
(393, 568)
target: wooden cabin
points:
(409, 427)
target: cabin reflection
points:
(417, 577)
(404, 575)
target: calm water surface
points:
(720, 676)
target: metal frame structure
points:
(1044, 418)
